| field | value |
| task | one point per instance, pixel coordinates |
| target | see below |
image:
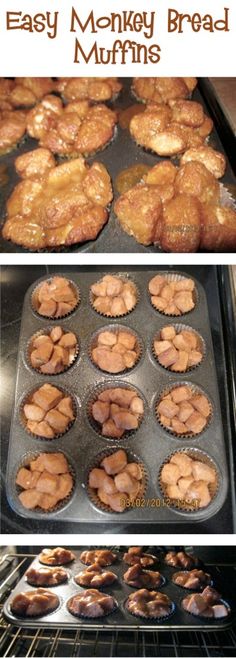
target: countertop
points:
(15, 281)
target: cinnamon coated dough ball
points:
(34, 604)
(115, 350)
(135, 555)
(162, 90)
(207, 604)
(117, 410)
(170, 296)
(92, 604)
(45, 481)
(57, 205)
(46, 576)
(78, 128)
(194, 579)
(184, 410)
(101, 556)
(113, 296)
(23, 92)
(177, 350)
(136, 576)
(92, 89)
(56, 556)
(149, 604)
(53, 352)
(94, 576)
(181, 559)
(190, 481)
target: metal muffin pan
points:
(121, 618)
(150, 442)
(121, 152)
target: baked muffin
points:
(91, 604)
(46, 576)
(56, 556)
(38, 603)
(92, 89)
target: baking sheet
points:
(150, 443)
(121, 618)
(121, 153)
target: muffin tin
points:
(120, 154)
(121, 618)
(150, 443)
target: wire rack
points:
(20, 642)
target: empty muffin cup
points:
(124, 501)
(19, 488)
(66, 300)
(118, 414)
(190, 503)
(181, 417)
(180, 357)
(47, 420)
(44, 357)
(189, 303)
(114, 296)
(115, 349)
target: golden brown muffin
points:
(162, 90)
(92, 89)
(12, 129)
(23, 92)
(64, 205)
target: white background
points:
(201, 53)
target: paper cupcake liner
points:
(226, 198)
(126, 279)
(27, 399)
(35, 305)
(24, 462)
(29, 349)
(213, 619)
(195, 389)
(115, 328)
(45, 614)
(201, 347)
(92, 493)
(91, 619)
(191, 589)
(46, 586)
(150, 587)
(93, 397)
(156, 619)
(183, 505)
(171, 277)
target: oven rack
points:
(19, 642)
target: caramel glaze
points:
(126, 115)
(129, 177)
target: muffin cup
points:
(183, 505)
(27, 400)
(115, 328)
(191, 589)
(201, 347)
(93, 398)
(151, 587)
(29, 350)
(156, 619)
(213, 619)
(170, 278)
(91, 619)
(92, 493)
(194, 389)
(26, 459)
(125, 279)
(35, 305)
